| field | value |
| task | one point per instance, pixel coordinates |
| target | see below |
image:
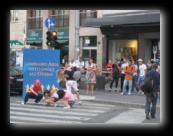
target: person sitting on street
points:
(51, 97)
(34, 92)
(67, 98)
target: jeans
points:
(71, 103)
(33, 96)
(151, 98)
(129, 83)
(134, 82)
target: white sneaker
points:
(55, 105)
(129, 93)
(67, 107)
(142, 93)
(79, 102)
(122, 93)
(23, 103)
(139, 92)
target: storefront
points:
(130, 36)
(122, 48)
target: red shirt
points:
(36, 88)
(109, 65)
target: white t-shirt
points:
(135, 73)
(123, 66)
(80, 64)
(72, 64)
(141, 68)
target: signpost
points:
(50, 23)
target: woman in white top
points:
(51, 97)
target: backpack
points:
(147, 85)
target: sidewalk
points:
(104, 96)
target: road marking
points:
(47, 116)
(56, 108)
(66, 111)
(133, 115)
(42, 120)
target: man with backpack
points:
(151, 96)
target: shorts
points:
(56, 99)
(72, 84)
(71, 103)
(140, 79)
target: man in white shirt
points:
(80, 63)
(142, 74)
(125, 63)
(72, 63)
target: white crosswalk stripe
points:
(38, 113)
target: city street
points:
(88, 112)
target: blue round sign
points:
(50, 23)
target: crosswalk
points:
(39, 113)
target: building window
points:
(61, 17)
(35, 19)
(89, 41)
(14, 15)
(87, 14)
(122, 48)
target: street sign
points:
(50, 23)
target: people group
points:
(131, 75)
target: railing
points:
(61, 20)
(35, 23)
(84, 15)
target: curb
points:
(134, 105)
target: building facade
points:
(101, 34)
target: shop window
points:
(122, 48)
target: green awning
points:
(15, 43)
(62, 41)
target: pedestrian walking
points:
(151, 97)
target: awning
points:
(15, 43)
(122, 20)
(62, 41)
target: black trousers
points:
(122, 81)
(114, 78)
(33, 96)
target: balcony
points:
(61, 20)
(84, 15)
(35, 23)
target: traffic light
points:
(51, 38)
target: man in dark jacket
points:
(151, 97)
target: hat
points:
(37, 81)
(140, 60)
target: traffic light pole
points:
(77, 53)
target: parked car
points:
(16, 80)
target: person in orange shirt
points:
(129, 70)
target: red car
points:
(16, 80)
